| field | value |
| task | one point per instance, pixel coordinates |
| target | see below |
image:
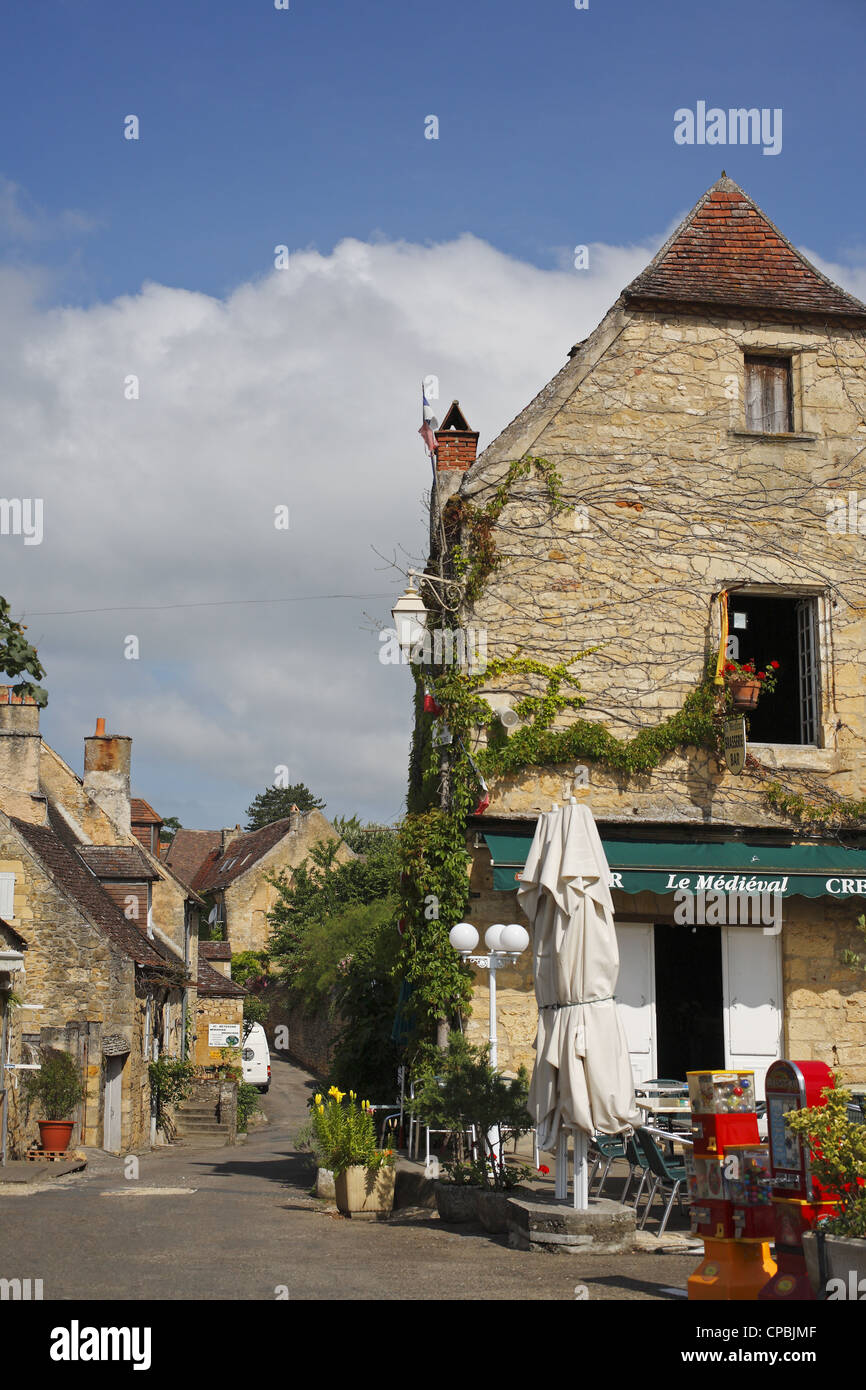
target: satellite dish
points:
(509, 719)
(213, 913)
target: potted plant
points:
(56, 1088)
(836, 1250)
(342, 1134)
(746, 683)
(468, 1096)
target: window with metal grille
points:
(765, 629)
(769, 395)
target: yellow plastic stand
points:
(732, 1271)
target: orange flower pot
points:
(55, 1134)
(744, 694)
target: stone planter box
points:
(492, 1209)
(844, 1261)
(360, 1192)
(455, 1202)
(325, 1185)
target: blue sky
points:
(305, 126)
(258, 388)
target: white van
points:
(255, 1058)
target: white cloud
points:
(301, 388)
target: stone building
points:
(232, 870)
(111, 935)
(700, 500)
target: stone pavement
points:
(241, 1223)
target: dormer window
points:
(769, 395)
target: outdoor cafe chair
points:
(604, 1148)
(666, 1175)
(637, 1162)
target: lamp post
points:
(504, 945)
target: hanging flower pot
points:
(744, 694)
(746, 683)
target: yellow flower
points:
(352, 1096)
(334, 1092)
(317, 1099)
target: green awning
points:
(728, 866)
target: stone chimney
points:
(456, 443)
(294, 819)
(226, 837)
(106, 774)
(20, 743)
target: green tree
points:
(170, 826)
(18, 658)
(275, 803)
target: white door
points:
(752, 985)
(112, 1101)
(636, 996)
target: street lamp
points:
(410, 616)
(504, 945)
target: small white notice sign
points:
(223, 1035)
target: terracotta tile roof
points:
(727, 252)
(223, 866)
(210, 981)
(188, 851)
(215, 950)
(117, 862)
(62, 864)
(141, 812)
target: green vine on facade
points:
(838, 810)
(475, 559)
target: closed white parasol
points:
(582, 1078)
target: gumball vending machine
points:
(723, 1172)
(798, 1199)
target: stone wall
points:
(307, 1037)
(670, 500)
(215, 1009)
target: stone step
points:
(200, 1126)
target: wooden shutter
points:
(7, 896)
(768, 395)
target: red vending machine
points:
(798, 1199)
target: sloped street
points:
(240, 1223)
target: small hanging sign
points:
(735, 745)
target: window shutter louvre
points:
(7, 896)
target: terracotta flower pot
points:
(455, 1202)
(360, 1192)
(55, 1135)
(744, 694)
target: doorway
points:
(112, 1097)
(689, 998)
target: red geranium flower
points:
(543, 1168)
(775, 665)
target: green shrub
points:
(56, 1087)
(838, 1157)
(248, 1103)
(341, 1133)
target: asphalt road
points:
(240, 1223)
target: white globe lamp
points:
(493, 936)
(514, 938)
(463, 937)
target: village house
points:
(660, 508)
(232, 870)
(110, 934)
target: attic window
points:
(769, 395)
